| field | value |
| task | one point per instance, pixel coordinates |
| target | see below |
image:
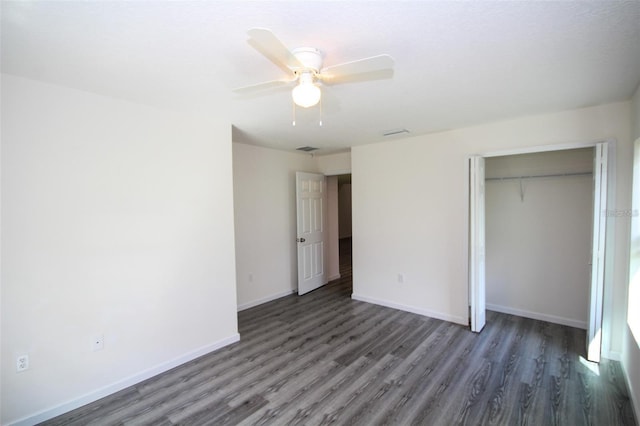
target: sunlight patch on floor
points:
(594, 367)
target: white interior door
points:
(594, 330)
(477, 295)
(311, 199)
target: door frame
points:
(599, 304)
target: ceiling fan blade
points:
(356, 78)
(381, 65)
(265, 42)
(262, 86)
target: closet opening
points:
(538, 212)
(537, 236)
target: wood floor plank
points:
(406, 374)
(486, 393)
(324, 358)
(417, 337)
(93, 413)
(290, 396)
(231, 416)
(614, 396)
(503, 401)
(315, 401)
(342, 404)
(572, 408)
(467, 378)
(414, 385)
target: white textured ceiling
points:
(457, 63)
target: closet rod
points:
(541, 176)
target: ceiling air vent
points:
(394, 132)
(306, 148)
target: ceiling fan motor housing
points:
(309, 57)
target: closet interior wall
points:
(538, 235)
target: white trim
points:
(545, 148)
(337, 172)
(538, 316)
(613, 355)
(264, 300)
(95, 395)
(334, 277)
(412, 309)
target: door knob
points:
(301, 240)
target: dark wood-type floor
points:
(323, 358)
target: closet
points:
(538, 235)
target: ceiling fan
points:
(303, 66)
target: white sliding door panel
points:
(477, 293)
(594, 330)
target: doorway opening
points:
(323, 213)
(338, 237)
(344, 227)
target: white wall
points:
(410, 210)
(334, 164)
(538, 241)
(117, 219)
(631, 344)
(265, 219)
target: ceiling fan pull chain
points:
(293, 114)
(320, 109)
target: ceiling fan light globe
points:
(306, 95)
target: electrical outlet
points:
(22, 363)
(97, 342)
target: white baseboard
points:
(412, 309)
(124, 383)
(612, 355)
(538, 316)
(334, 277)
(264, 300)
